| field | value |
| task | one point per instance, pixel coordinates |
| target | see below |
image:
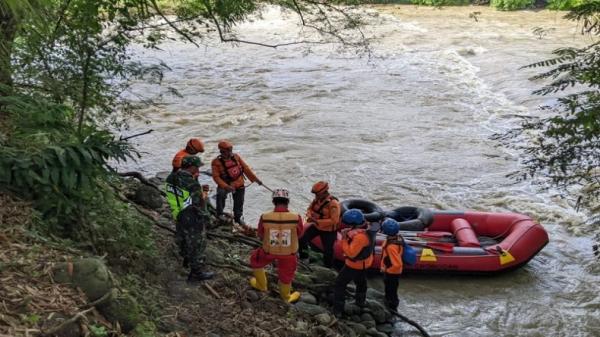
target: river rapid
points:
(410, 125)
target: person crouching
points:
(279, 231)
(358, 248)
(391, 262)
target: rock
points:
(210, 334)
(246, 305)
(123, 309)
(368, 324)
(322, 331)
(214, 255)
(374, 333)
(297, 333)
(352, 309)
(310, 309)
(387, 328)
(148, 196)
(302, 325)
(323, 318)
(355, 318)
(345, 330)
(366, 317)
(303, 278)
(358, 328)
(377, 310)
(156, 181)
(252, 295)
(89, 274)
(375, 294)
(323, 275)
(308, 298)
(69, 330)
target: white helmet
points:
(281, 193)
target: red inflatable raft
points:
(460, 242)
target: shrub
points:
(511, 5)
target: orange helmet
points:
(225, 145)
(320, 186)
(195, 144)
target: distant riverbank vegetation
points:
(505, 5)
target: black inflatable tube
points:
(411, 218)
(371, 211)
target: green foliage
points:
(440, 3)
(564, 144)
(98, 330)
(511, 5)
(563, 5)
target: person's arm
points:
(260, 231)
(248, 170)
(300, 226)
(353, 247)
(217, 171)
(395, 255)
(334, 216)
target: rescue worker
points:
(391, 261)
(279, 231)
(358, 246)
(228, 171)
(323, 215)
(193, 147)
(188, 206)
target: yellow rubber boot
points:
(259, 281)
(284, 292)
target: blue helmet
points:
(390, 227)
(353, 217)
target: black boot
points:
(197, 276)
(360, 299)
(338, 309)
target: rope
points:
(411, 322)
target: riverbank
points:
(51, 287)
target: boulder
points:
(377, 310)
(374, 333)
(359, 329)
(323, 275)
(310, 309)
(352, 309)
(148, 197)
(214, 255)
(124, 309)
(308, 298)
(89, 274)
(323, 318)
(375, 294)
(386, 328)
(345, 330)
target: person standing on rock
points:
(228, 171)
(188, 206)
(279, 231)
(358, 245)
(193, 147)
(323, 215)
(391, 262)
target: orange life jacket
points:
(280, 233)
(322, 210)
(391, 258)
(364, 257)
(232, 169)
(178, 158)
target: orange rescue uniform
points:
(391, 258)
(230, 172)
(325, 213)
(355, 244)
(178, 158)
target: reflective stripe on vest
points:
(280, 233)
(178, 198)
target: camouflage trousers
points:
(191, 236)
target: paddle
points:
(441, 246)
(432, 234)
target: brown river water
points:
(409, 126)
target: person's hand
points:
(205, 188)
(345, 233)
(258, 181)
(229, 188)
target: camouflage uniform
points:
(191, 218)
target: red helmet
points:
(320, 186)
(195, 144)
(225, 145)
